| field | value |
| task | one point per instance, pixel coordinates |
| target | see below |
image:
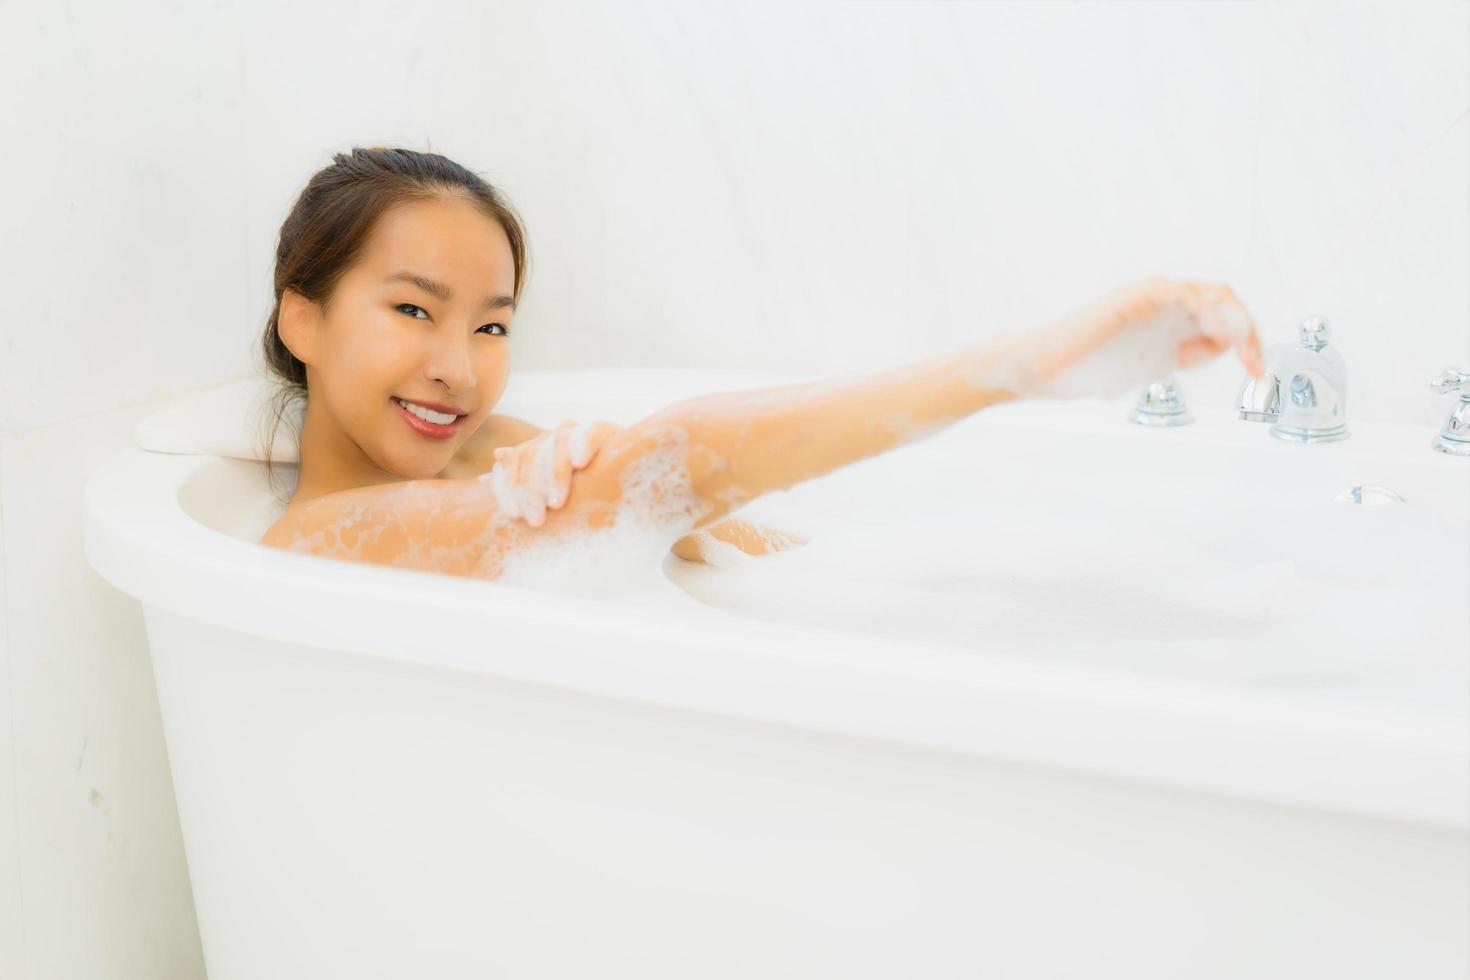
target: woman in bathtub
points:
(398, 275)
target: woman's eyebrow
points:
(443, 292)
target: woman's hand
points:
(1131, 337)
(724, 541)
(536, 475)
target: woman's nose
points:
(450, 362)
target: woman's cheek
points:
(379, 358)
(492, 372)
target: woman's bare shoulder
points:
(275, 535)
(295, 522)
(431, 525)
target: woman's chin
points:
(424, 466)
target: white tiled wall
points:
(824, 186)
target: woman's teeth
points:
(427, 414)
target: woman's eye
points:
(504, 330)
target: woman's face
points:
(385, 339)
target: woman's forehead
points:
(441, 240)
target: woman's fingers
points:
(1198, 349)
(598, 433)
(536, 486)
(536, 476)
(1252, 354)
(560, 480)
(500, 485)
(1225, 322)
(586, 439)
(1242, 332)
(1135, 334)
(578, 444)
(514, 479)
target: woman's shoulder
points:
(298, 522)
(279, 534)
(379, 523)
(436, 525)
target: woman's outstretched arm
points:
(703, 457)
(743, 444)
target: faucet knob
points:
(1313, 379)
(1454, 435)
(1312, 415)
(1161, 404)
(1451, 379)
(1314, 333)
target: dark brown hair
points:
(328, 226)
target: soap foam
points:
(657, 506)
(506, 499)
(1142, 352)
(1144, 329)
(357, 531)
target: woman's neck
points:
(330, 461)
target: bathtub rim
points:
(1260, 746)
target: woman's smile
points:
(425, 420)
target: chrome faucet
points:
(1304, 390)
(1454, 438)
(1161, 405)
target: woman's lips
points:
(426, 428)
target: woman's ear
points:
(297, 322)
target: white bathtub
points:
(1160, 707)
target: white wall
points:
(821, 186)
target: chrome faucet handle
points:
(1314, 399)
(1451, 379)
(1259, 399)
(1454, 436)
(1313, 333)
(1161, 405)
